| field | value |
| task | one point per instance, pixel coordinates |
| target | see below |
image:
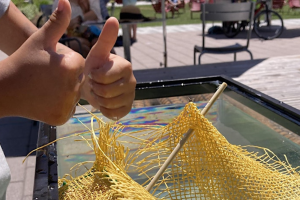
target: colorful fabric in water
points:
(207, 167)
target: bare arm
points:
(36, 80)
(17, 29)
(42, 79)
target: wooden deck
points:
(278, 77)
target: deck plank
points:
(278, 77)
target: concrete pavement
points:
(18, 136)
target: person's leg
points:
(130, 31)
(134, 27)
(133, 33)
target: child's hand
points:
(110, 86)
(44, 83)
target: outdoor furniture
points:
(294, 4)
(278, 4)
(181, 5)
(225, 12)
(195, 6)
(168, 8)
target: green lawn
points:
(185, 17)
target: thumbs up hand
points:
(110, 84)
(43, 83)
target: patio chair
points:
(278, 4)
(181, 5)
(294, 4)
(168, 8)
(195, 6)
(225, 12)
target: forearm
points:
(17, 29)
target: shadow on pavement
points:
(18, 136)
(230, 69)
(287, 33)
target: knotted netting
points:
(207, 166)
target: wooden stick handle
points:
(184, 139)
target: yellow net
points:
(207, 167)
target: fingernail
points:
(115, 118)
(60, 6)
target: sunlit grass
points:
(184, 16)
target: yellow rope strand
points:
(207, 166)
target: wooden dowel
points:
(184, 139)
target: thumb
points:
(106, 40)
(56, 26)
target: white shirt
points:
(4, 175)
(3, 6)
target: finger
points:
(56, 26)
(115, 114)
(106, 40)
(115, 102)
(111, 71)
(112, 90)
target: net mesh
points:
(207, 166)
